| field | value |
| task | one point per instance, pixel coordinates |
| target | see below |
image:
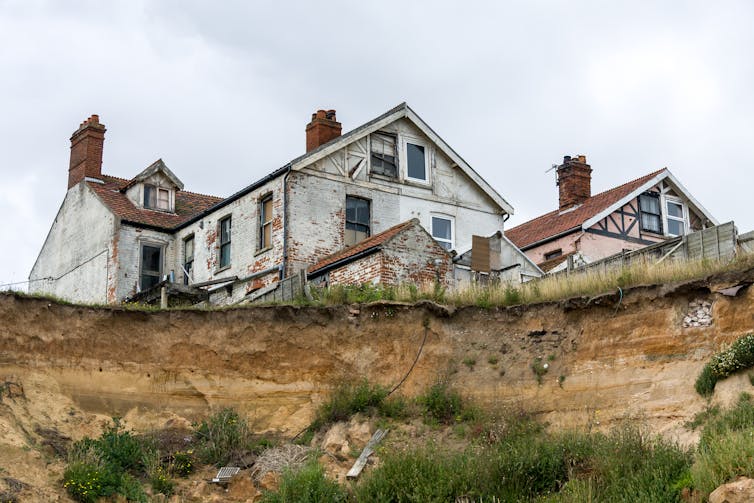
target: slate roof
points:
(187, 205)
(372, 243)
(559, 222)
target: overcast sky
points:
(221, 91)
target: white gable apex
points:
(397, 113)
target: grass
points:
(547, 289)
(726, 446)
(528, 464)
(306, 485)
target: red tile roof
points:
(187, 204)
(369, 243)
(555, 222)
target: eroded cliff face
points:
(608, 358)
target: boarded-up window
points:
(357, 220)
(384, 159)
(265, 222)
(651, 219)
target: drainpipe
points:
(285, 223)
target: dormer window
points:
(156, 198)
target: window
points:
(225, 242)
(151, 266)
(265, 222)
(651, 219)
(675, 218)
(188, 259)
(416, 161)
(156, 198)
(553, 254)
(357, 220)
(442, 231)
(383, 155)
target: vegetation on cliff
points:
(738, 356)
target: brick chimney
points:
(86, 151)
(323, 128)
(574, 181)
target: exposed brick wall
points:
(323, 128)
(86, 151)
(412, 256)
(317, 211)
(574, 181)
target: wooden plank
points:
(361, 462)
(480, 254)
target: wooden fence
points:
(285, 290)
(714, 243)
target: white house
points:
(114, 237)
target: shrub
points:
(539, 369)
(442, 404)
(221, 437)
(161, 481)
(306, 485)
(347, 399)
(740, 355)
(100, 467)
(182, 463)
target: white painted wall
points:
(78, 250)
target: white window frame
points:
(668, 217)
(452, 221)
(404, 155)
(157, 189)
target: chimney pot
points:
(323, 128)
(86, 151)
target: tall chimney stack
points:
(574, 181)
(86, 151)
(323, 128)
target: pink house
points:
(589, 227)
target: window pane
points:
(225, 255)
(267, 210)
(650, 223)
(675, 227)
(444, 244)
(267, 236)
(649, 203)
(675, 209)
(148, 281)
(150, 259)
(441, 228)
(416, 165)
(163, 201)
(225, 231)
(188, 250)
(149, 196)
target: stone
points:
(335, 441)
(241, 488)
(740, 491)
(270, 481)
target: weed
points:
(492, 360)
(222, 437)
(539, 369)
(469, 362)
(349, 398)
(561, 380)
(308, 484)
